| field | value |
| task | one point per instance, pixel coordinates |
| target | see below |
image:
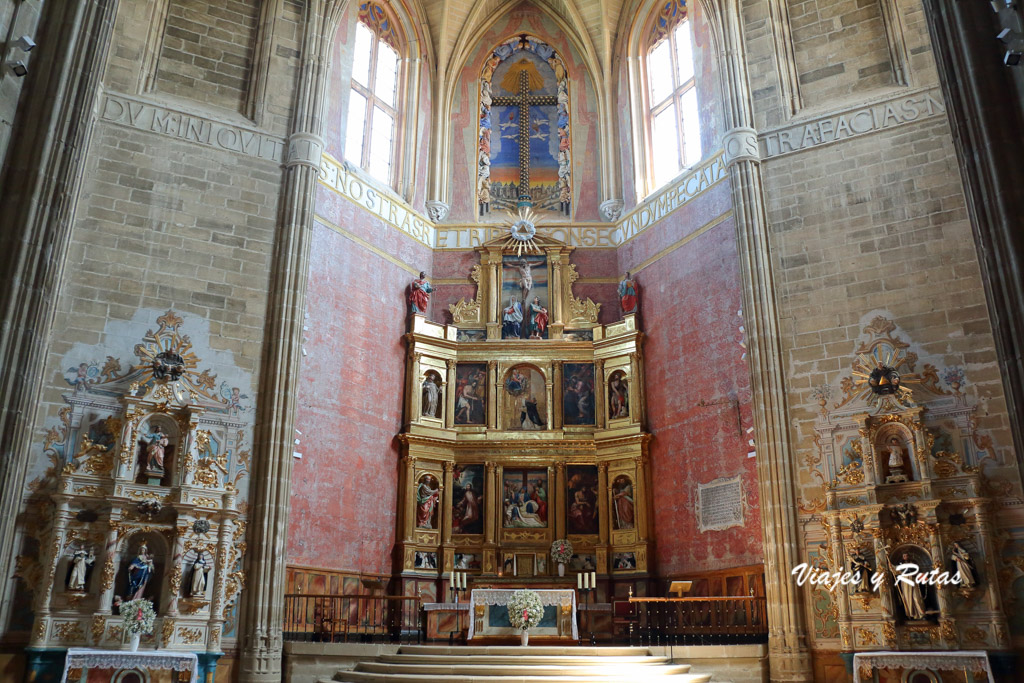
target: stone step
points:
(593, 669)
(526, 657)
(517, 650)
(624, 677)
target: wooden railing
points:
(726, 620)
(353, 618)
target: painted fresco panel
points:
(524, 295)
(468, 499)
(525, 500)
(578, 394)
(524, 400)
(581, 485)
(471, 394)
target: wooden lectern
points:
(677, 588)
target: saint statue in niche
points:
(895, 462)
(511, 320)
(629, 294)
(427, 494)
(622, 503)
(538, 319)
(964, 566)
(431, 396)
(618, 396)
(156, 445)
(911, 597)
(199, 575)
(79, 563)
(139, 572)
(419, 294)
(859, 563)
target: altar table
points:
(559, 614)
(974, 661)
(81, 659)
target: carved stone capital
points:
(611, 209)
(305, 149)
(741, 145)
(437, 210)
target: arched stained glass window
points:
(673, 123)
(373, 110)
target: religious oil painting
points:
(623, 561)
(525, 500)
(618, 396)
(583, 562)
(471, 335)
(622, 503)
(425, 560)
(524, 400)
(471, 394)
(468, 499)
(581, 485)
(428, 493)
(524, 296)
(524, 143)
(467, 561)
(578, 394)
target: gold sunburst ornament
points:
(522, 229)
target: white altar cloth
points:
(85, 658)
(973, 661)
(495, 596)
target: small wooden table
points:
(973, 661)
(562, 615)
(81, 660)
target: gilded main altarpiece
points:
(524, 424)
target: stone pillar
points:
(600, 395)
(640, 501)
(49, 559)
(263, 600)
(935, 550)
(490, 503)
(549, 385)
(177, 570)
(559, 503)
(789, 656)
(43, 175)
(409, 487)
(110, 561)
(556, 395)
(449, 396)
(416, 388)
(983, 516)
(446, 509)
(842, 596)
(499, 492)
(603, 521)
(556, 297)
(493, 395)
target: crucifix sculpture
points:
(523, 99)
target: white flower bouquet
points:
(139, 616)
(561, 551)
(525, 610)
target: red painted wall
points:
(690, 298)
(345, 487)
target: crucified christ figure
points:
(526, 275)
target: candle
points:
(586, 581)
(451, 580)
(593, 579)
(579, 581)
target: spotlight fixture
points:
(1012, 58)
(25, 44)
(17, 67)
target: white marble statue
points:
(79, 561)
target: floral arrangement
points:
(561, 551)
(525, 610)
(139, 616)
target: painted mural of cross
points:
(523, 100)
